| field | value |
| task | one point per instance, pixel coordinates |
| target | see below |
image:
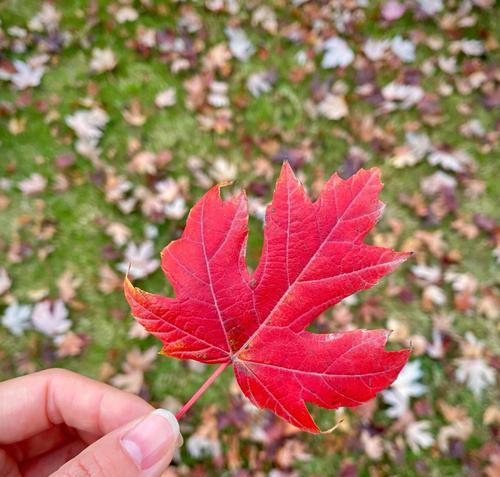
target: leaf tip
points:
(372, 174)
(126, 281)
(285, 166)
(287, 172)
(375, 172)
(402, 257)
(128, 288)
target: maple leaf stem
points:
(202, 389)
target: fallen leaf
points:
(67, 285)
(109, 281)
(138, 261)
(406, 386)
(491, 415)
(33, 185)
(136, 363)
(239, 44)
(51, 317)
(5, 281)
(17, 318)
(133, 114)
(333, 107)
(337, 53)
(418, 435)
(103, 59)
(70, 344)
(166, 98)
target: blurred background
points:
(116, 116)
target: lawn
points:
(116, 117)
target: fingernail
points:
(149, 440)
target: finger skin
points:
(48, 463)
(34, 403)
(8, 468)
(39, 443)
(108, 458)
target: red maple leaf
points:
(313, 256)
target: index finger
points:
(31, 404)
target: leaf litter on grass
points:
(117, 115)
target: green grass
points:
(278, 115)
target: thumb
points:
(142, 448)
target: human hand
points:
(59, 423)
